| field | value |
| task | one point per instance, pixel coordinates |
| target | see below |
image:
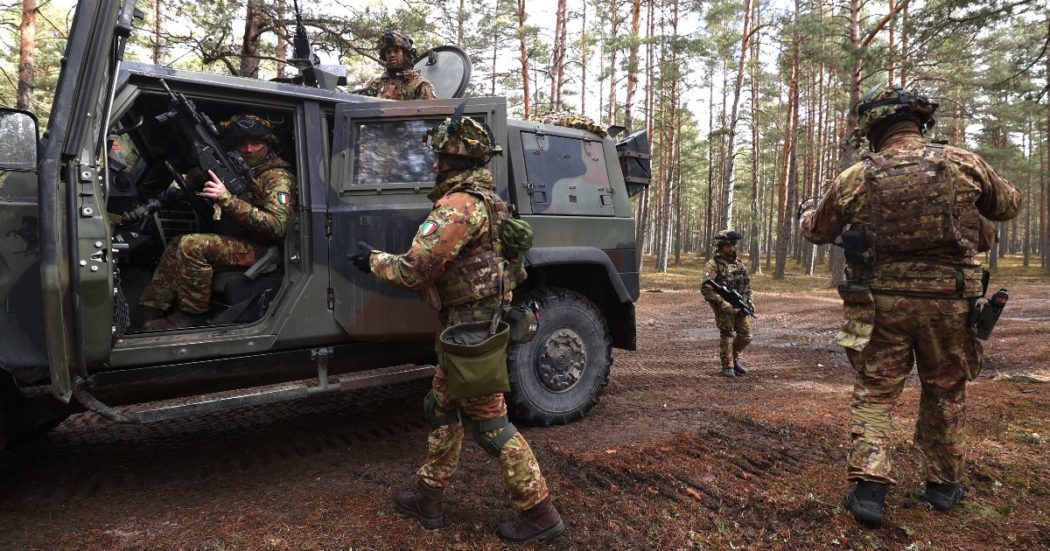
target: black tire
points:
(546, 387)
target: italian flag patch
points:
(282, 197)
(428, 228)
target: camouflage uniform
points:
(734, 326)
(401, 82)
(453, 258)
(912, 303)
(185, 268)
(407, 84)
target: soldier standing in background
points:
(734, 326)
(913, 211)
(400, 81)
(252, 223)
(455, 260)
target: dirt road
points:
(673, 456)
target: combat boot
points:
(943, 496)
(728, 372)
(866, 502)
(540, 523)
(738, 368)
(424, 503)
(143, 315)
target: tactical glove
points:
(808, 204)
(169, 197)
(727, 309)
(362, 258)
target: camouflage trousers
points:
(517, 464)
(934, 335)
(185, 270)
(734, 335)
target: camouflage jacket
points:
(731, 273)
(402, 85)
(940, 274)
(453, 247)
(265, 217)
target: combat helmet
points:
(396, 39)
(239, 127)
(725, 237)
(886, 105)
(463, 136)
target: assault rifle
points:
(732, 296)
(229, 166)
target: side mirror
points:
(18, 140)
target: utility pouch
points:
(859, 308)
(524, 322)
(988, 313)
(474, 359)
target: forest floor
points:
(673, 457)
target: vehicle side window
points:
(566, 175)
(392, 152)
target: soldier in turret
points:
(912, 214)
(400, 81)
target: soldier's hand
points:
(214, 188)
(727, 309)
(170, 196)
(362, 259)
(805, 205)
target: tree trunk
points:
(632, 66)
(524, 52)
(558, 56)
(584, 48)
(756, 168)
(495, 44)
(253, 23)
(158, 36)
(790, 152)
(727, 176)
(708, 222)
(614, 25)
(26, 55)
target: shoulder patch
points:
(428, 228)
(282, 197)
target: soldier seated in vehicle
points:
(247, 225)
(400, 81)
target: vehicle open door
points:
(75, 256)
(381, 174)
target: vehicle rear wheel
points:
(557, 376)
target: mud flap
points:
(859, 306)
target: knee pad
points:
(436, 416)
(493, 444)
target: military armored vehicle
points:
(300, 321)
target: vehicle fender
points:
(553, 256)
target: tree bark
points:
(614, 25)
(558, 56)
(253, 24)
(26, 55)
(632, 66)
(727, 176)
(524, 52)
(158, 36)
(756, 168)
(790, 152)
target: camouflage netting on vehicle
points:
(571, 120)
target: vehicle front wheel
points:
(557, 376)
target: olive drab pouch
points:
(475, 360)
(516, 237)
(524, 322)
(859, 308)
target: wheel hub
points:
(562, 361)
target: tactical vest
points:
(734, 276)
(919, 216)
(474, 273)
